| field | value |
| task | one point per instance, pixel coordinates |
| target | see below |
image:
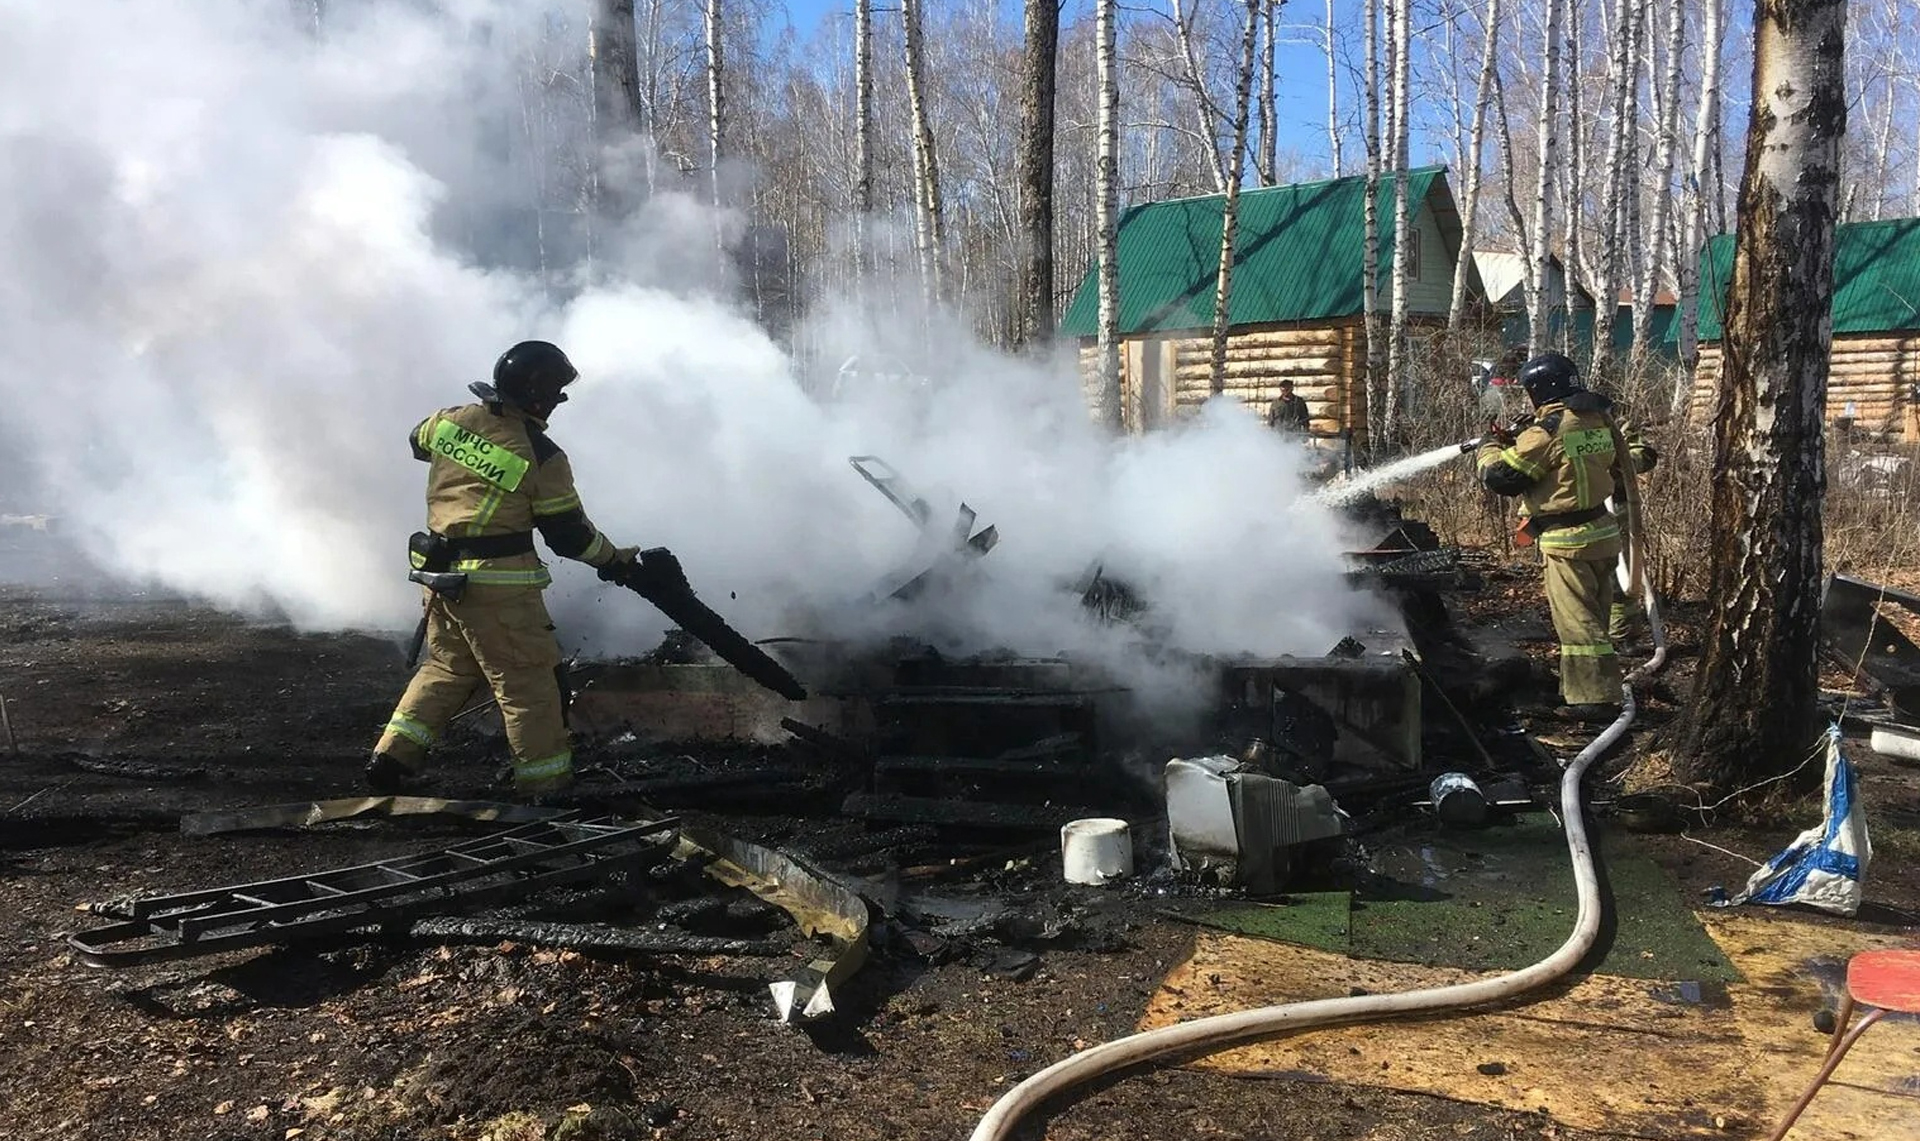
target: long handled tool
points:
(656, 576)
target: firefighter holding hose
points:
(1562, 467)
(494, 478)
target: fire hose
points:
(1204, 1035)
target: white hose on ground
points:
(1203, 1035)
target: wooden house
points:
(1296, 309)
(1504, 277)
(1873, 380)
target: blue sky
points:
(1302, 67)
(1302, 99)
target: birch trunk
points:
(862, 132)
(1883, 152)
(1655, 256)
(1267, 165)
(1033, 320)
(1576, 265)
(716, 94)
(930, 225)
(1333, 102)
(1537, 310)
(1390, 70)
(1107, 402)
(1230, 208)
(1404, 235)
(1530, 283)
(1706, 140)
(1207, 115)
(1370, 255)
(1621, 143)
(1754, 708)
(615, 58)
(1470, 193)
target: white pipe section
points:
(1204, 1035)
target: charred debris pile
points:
(925, 776)
(815, 798)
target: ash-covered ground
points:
(130, 709)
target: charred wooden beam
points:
(591, 937)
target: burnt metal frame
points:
(164, 928)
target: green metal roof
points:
(1297, 256)
(1876, 278)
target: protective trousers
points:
(499, 635)
(1580, 595)
(1621, 618)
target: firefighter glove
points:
(621, 566)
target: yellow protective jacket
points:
(496, 473)
(1561, 469)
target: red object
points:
(1882, 980)
(1889, 980)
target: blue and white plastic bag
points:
(1826, 867)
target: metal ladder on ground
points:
(483, 871)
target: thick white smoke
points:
(234, 272)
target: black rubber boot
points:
(386, 775)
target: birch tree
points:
(1033, 319)
(615, 58)
(1531, 279)
(1754, 707)
(1107, 399)
(862, 131)
(716, 93)
(1230, 207)
(1404, 235)
(1267, 162)
(1470, 193)
(1377, 390)
(1333, 99)
(1538, 302)
(1706, 143)
(1669, 101)
(1622, 143)
(929, 212)
(1206, 114)
(1576, 264)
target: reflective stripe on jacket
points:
(1560, 464)
(497, 473)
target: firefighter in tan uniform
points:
(493, 479)
(1561, 468)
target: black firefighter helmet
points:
(1549, 377)
(529, 376)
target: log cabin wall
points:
(1319, 359)
(1876, 373)
(1258, 359)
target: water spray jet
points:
(1363, 482)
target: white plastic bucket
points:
(1096, 850)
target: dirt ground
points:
(129, 708)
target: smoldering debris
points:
(608, 885)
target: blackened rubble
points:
(931, 787)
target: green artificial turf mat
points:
(1309, 919)
(1503, 898)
